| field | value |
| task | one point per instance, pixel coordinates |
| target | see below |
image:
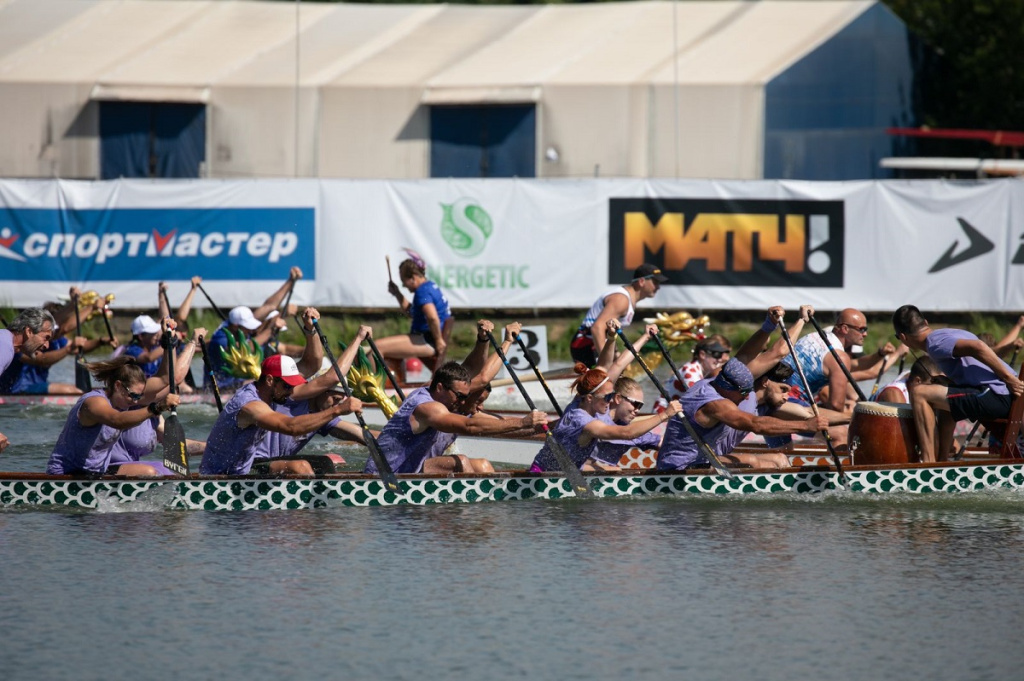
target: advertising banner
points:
(531, 244)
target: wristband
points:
(769, 325)
(153, 409)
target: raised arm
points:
(313, 353)
(274, 301)
(492, 366)
(186, 305)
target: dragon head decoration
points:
(368, 383)
(674, 330)
(242, 357)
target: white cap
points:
(242, 316)
(144, 324)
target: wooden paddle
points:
(387, 259)
(106, 321)
(668, 358)
(540, 376)
(387, 475)
(213, 376)
(175, 453)
(878, 378)
(83, 381)
(814, 407)
(572, 472)
(702, 446)
(216, 309)
(387, 370)
(835, 355)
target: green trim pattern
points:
(239, 494)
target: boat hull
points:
(236, 494)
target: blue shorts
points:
(33, 389)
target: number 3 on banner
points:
(535, 338)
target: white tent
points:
(725, 89)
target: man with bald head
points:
(821, 368)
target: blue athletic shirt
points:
(428, 292)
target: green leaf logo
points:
(466, 227)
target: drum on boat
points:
(883, 433)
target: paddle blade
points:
(387, 476)
(83, 381)
(175, 454)
(569, 467)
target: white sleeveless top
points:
(598, 307)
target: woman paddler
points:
(580, 429)
(96, 424)
(429, 311)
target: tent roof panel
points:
(449, 36)
(644, 40)
(217, 41)
(763, 41)
(537, 48)
(346, 35)
(101, 37)
(22, 21)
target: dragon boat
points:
(226, 493)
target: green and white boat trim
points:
(221, 493)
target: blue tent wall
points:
(151, 139)
(483, 141)
(825, 117)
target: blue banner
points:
(131, 244)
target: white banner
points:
(520, 243)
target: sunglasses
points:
(461, 397)
(637, 404)
(716, 355)
(862, 329)
(134, 397)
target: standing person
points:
(95, 424)
(618, 303)
(983, 386)
(713, 407)
(427, 423)
(580, 428)
(249, 418)
(30, 331)
(430, 313)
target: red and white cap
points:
(283, 367)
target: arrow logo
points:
(978, 245)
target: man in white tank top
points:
(618, 302)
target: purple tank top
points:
(567, 433)
(277, 445)
(610, 451)
(136, 442)
(404, 450)
(678, 449)
(229, 449)
(82, 449)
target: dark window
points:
(483, 141)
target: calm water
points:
(834, 587)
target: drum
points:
(883, 433)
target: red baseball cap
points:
(283, 367)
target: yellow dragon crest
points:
(674, 330)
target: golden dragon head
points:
(242, 356)
(674, 330)
(367, 384)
